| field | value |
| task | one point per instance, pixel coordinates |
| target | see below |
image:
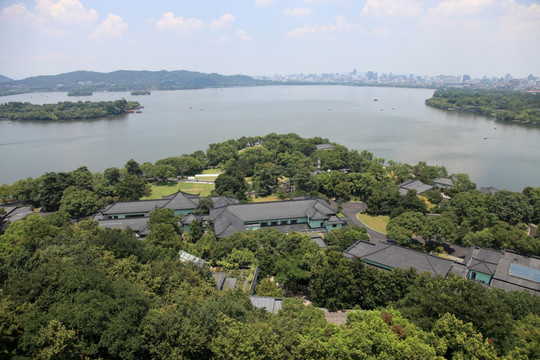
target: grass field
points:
(266, 199)
(212, 171)
(375, 222)
(159, 190)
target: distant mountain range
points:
(124, 80)
(4, 78)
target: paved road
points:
(350, 209)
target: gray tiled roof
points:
(135, 224)
(226, 222)
(488, 190)
(282, 210)
(319, 241)
(220, 201)
(177, 201)
(183, 201)
(417, 185)
(399, 257)
(188, 219)
(482, 260)
(324, 146)
(334, 220)
(228, 219)
(444, 181)
(127, 207)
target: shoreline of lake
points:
(399, 127)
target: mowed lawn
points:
(377, 223)
(159, 189)
(272, 197)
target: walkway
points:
(350, 209)
(532, 230)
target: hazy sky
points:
(266, 37)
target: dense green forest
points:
(66, 110)
(504, 105)
(82, 292)
(79, 291)
(125, 80)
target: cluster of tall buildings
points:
(531, 82)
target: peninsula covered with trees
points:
(66, 110)
(71, 289)
(503, 105)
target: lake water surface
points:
(399, 126)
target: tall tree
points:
(131, 187)
(132, 167)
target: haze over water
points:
(398, 126)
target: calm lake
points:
(398, 126)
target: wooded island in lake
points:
(80, 92)
(66, 110)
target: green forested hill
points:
(124, 80)
(505, 105)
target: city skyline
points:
(267, 37)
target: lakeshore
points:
(177, 122)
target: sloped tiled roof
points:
(127, 207)
(399, 257)
(226, 222)
(138, 225)
(325, 146)
(189, 218)
(444, 181)
(177, 201)
(233, 217)
(488, 190)
(183, 201)
(220, 201)
(417, 185)
(483, 260)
